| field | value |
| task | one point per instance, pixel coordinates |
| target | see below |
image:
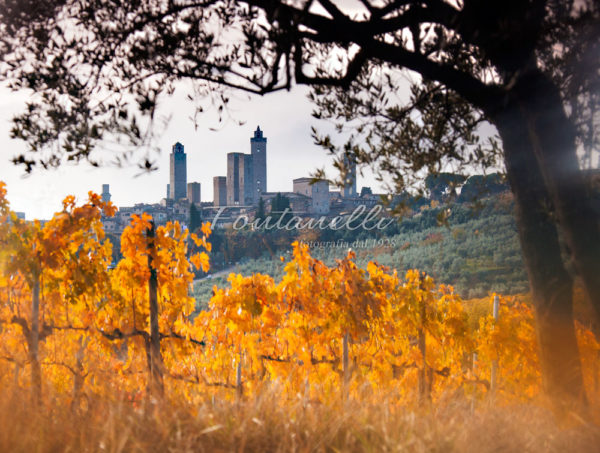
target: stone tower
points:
(239, 179)
(106, 193)
(317, 191)
(178, 173)
(194, 192)
(220, 191)
(258, 151)
(349, 189)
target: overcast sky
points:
(284, 117)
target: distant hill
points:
(477, 251)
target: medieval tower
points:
(258, 151)
(178, 173)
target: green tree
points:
(478, 186)
(195, 217)
(442, 185)
(279, 204)
(260, 211)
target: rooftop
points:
(258, 134)
(178, 148)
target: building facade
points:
(235, 174)
(194, 192)
(247, 182)
(317, 191)
(239, 179)
(300, 204)
(247, 173)
(178, 173)
(220, 191)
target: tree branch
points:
(352, 71)
(181, 337)
(196, 380)
(346, 31)
(118, 335)
(335, 12)
(472, 89)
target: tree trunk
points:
(34, 340)
(553, 138)
(156, 362)
(551, 285)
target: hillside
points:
(477, 251)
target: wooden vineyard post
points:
(345, 366)
(156, 365)
(473, 369)
(34, 340)
(16, 376)
(306, 398)
(494, 372)
(423, 393)
(238, 378)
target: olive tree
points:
(98, 68)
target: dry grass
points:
(266, 424)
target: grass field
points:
(266, 424)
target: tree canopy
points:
(279, 204)
(195, 217)
(99, 67)
(442, 185)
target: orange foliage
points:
(95, 327)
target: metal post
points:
(496, 307)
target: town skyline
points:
(292, 154)
(243, 192)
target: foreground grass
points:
(266, 425)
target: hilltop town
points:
(240, 192)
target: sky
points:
(285, 118)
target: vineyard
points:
(74, 330)
(478, 252)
